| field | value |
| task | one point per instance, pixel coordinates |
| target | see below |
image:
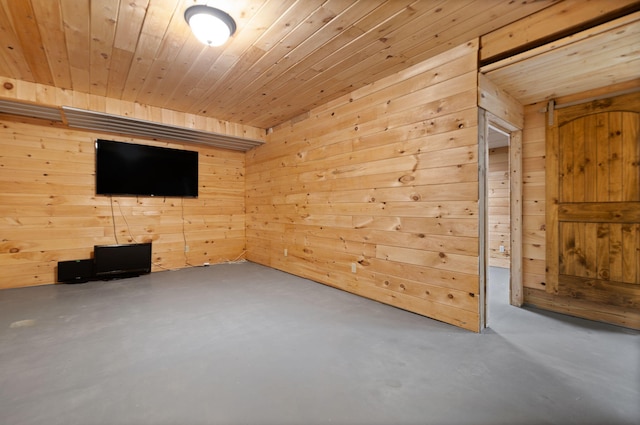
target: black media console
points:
(109, 262)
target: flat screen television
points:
(140, 170)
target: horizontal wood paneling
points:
(384, 180)
(501, 104)
(499, 219)
(614, 212)
(533, 198)
(49, 211)
(51, 96)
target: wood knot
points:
(7, 86)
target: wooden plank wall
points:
(499, 205)
(51, 96)
(49, 211)
(534, 245)
(533, 198)
(376, 193)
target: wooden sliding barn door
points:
(593, 203)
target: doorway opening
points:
(500, 161)
(498, 222)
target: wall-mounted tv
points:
(140, 170)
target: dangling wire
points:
(126, 222)
(113, 220)
(184, 236)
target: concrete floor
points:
(244, 344)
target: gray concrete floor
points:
(245, 344)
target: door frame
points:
(485, 120)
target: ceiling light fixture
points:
(211, 26)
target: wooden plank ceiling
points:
(602, 56)
(286, 57)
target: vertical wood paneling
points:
(75, 16)
(602, 173)
(619, 151)
(131, 16)
(599, 252)
(12, 63)
(155, 24)
(615, 252)
(104, 16)
(49, 16)
(615, 158)
(566, 165)
(629, 254)
(637, 260)
(578, 162)
(377, 193)
(590, 161)
(602, 251)
(630, 159)
(590, 250)
(30, 38)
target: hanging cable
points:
(113, 220)
(184, 236)
(126, 223)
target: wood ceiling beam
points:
(553, 23)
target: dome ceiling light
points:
(211, 26)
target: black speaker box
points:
(75, 271)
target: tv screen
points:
(131, 169)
